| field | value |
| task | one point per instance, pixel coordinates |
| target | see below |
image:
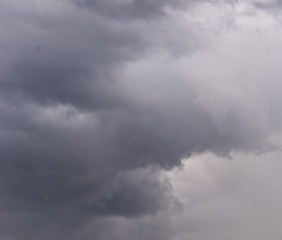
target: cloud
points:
(98, 98)
(268, 5)
(229, 199)
(131, 9)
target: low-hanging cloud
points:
(86, 127)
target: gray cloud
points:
(82, 138)
(230, 199)
(130, 9)
(269, 5)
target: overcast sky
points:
(140, 120)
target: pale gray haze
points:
(140, 120)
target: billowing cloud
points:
(97, 98)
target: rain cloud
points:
(91, 116)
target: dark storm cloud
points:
(75, 142)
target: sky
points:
(140, 120)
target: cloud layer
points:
(97, 98)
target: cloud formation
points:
(91, 114)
